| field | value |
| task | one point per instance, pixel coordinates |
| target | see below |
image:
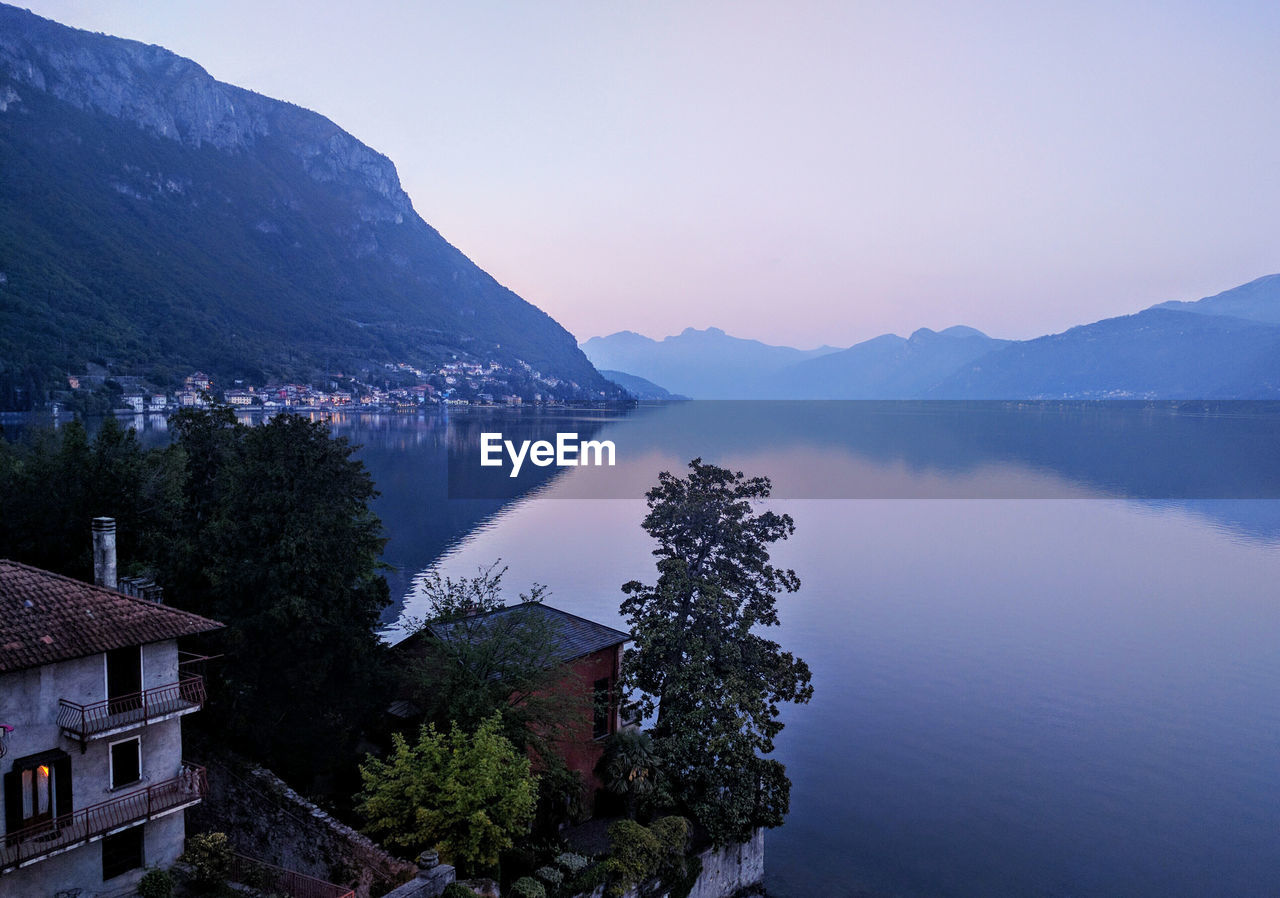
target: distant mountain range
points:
(701, 364)
(638, 387)
(1223, 347)
(154, 220)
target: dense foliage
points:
(53, 484)
(467, 795)
(279, 543)
(639, 853)
(629, 766)
(209, 857)
(698, 664)
(267, 529)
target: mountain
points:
(1157, 353)
(710, 364)
(886, 367)
(638, 387)
(156, 220)
(1225, 346)
(1256, 301)
(704, 364)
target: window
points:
(122, 852)
(37, 789)
(126, 762)
(601, 706)
(37, 794)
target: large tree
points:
(699, 667)
(280, 544)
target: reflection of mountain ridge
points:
(1201, 456)
(1121, 449)
(409, 456)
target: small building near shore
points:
(588, 655)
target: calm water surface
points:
(1057, 694)
(1025, 684)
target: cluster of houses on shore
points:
(403, 387)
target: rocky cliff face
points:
(175, 98)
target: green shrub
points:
(528, 887)
(588, 879)
(571, 863)
(209, 855)
(457, 890)
(672, 834)
(156, 883)
(550, 875)
(634, 856)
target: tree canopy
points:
(468, 795)
(266, 528)
(280, 544)
(698, 665)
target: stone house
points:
(92, 692)
(588, 653)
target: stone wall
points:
(266, 819)
(730, 869)
(725, 871)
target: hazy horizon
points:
(816, 174)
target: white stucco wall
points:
(29, 702)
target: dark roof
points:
(573, 636)
(45, 618)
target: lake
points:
(1045, 638)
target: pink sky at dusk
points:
(799, 173)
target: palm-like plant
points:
(629, 766)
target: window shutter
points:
(13, 801)
(62, 786)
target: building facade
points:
(587, 654)
(92, 692)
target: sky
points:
(804, 172)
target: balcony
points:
(44, 840)
(85, 723)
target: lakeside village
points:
(396, 387)
(190, 705)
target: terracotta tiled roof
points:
(46, 617)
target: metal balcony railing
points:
(86, 722)
(275, 880)
(87, 824)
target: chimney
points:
(104, 552)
